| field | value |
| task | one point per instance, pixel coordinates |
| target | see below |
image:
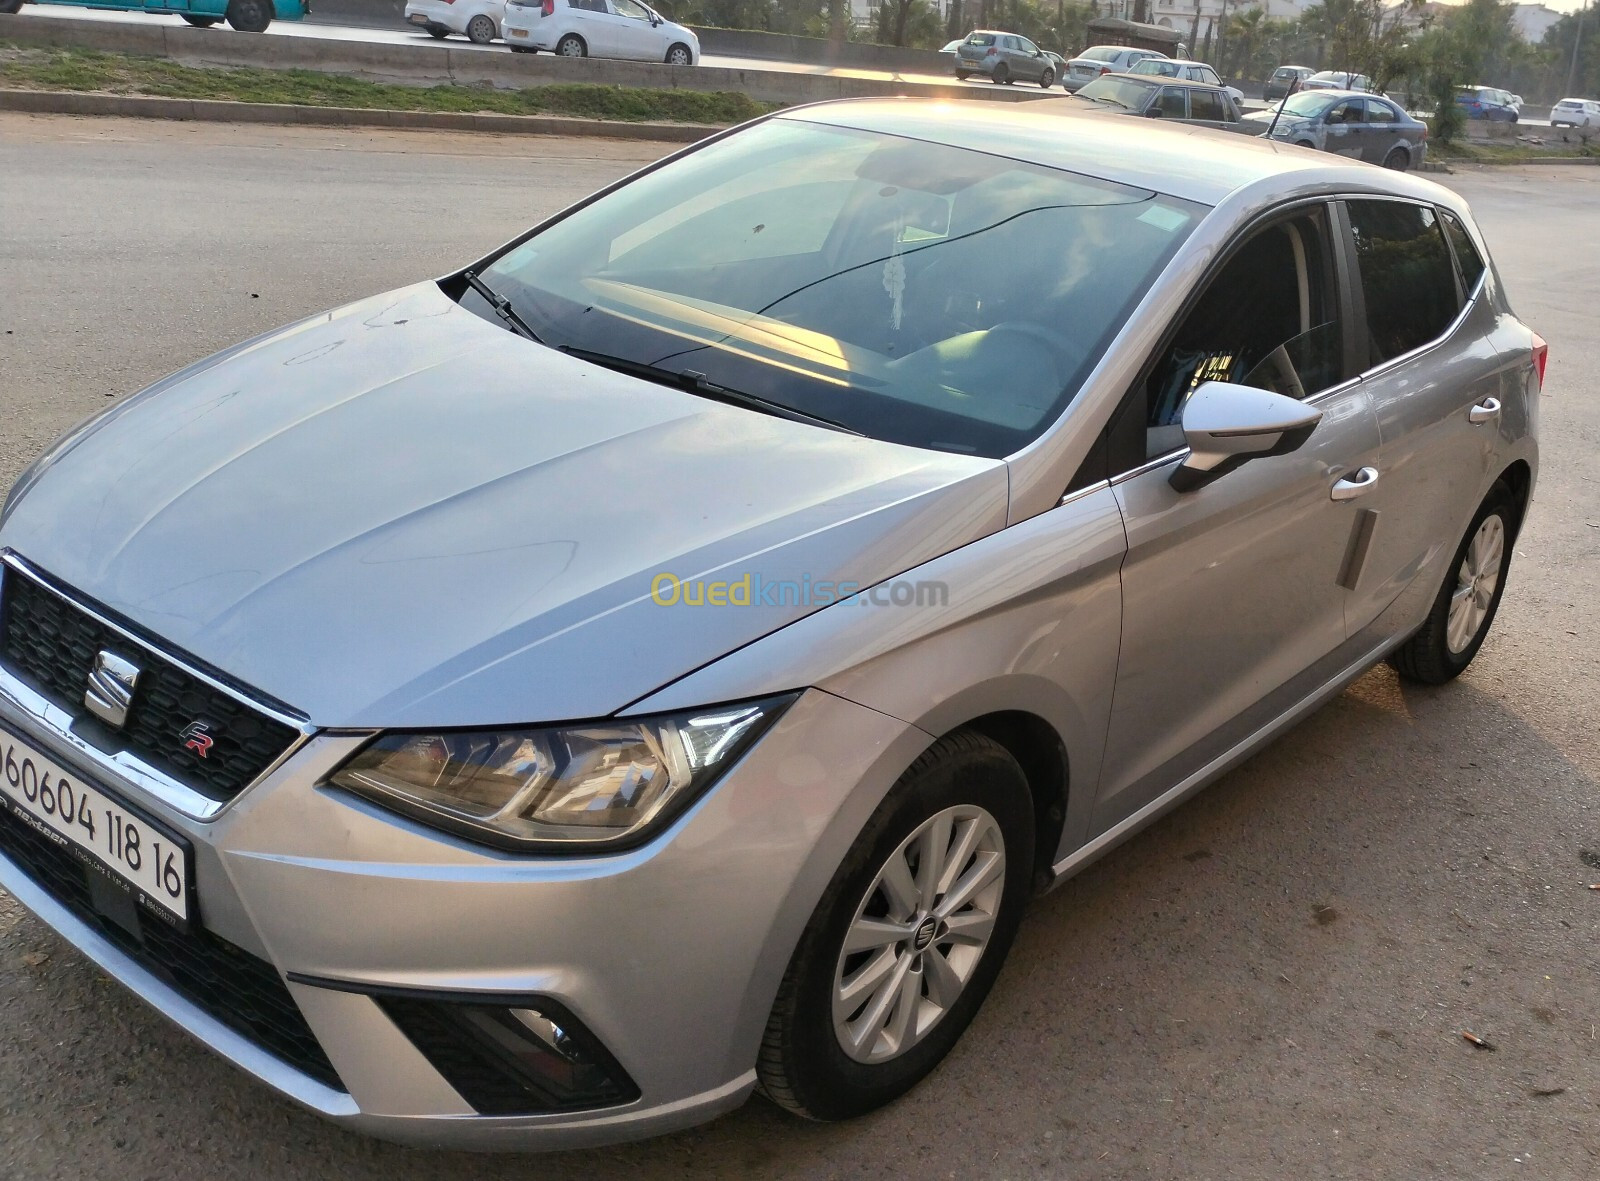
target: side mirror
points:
(1154, 113)
(1225, 425)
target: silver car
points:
(1004, 58)
(1361, 126)
(1103, 59)
(540, 707)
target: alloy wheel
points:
(919, 933)
(1476, 581)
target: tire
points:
(7, 7)
(1399, 160)
(523, 49)
(572, 45)
(250, 16)
(1047, 79)
(961, 75)
(199, 22)
(679, 55)
(1447, 641)
(805, 1066)
(437, 32)
(481, 29)
(1002, 73)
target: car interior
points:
(1269, 319)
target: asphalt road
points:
(401, 35)
(1269, 983)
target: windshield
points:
(1121, 92)
(913, 292)
(1307, 104)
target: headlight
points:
(602, 783)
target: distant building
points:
(1533, 21)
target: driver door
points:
(1346, 127)
(1233, 602)
(636, 35)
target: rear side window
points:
(1467, 256)
(1406, 277)
(1380, 112)
(1207, 104)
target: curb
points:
(139, 106)
(1536, 160)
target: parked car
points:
(1284, 81)
(1361, 126)
(599, 28)
(1582, 113)
(478, 21)
(1098, 60)
(247, 16)
(1170, 99)
(534, 707)
(1487, 102)
(1192, 71)
(1337, 80)
(1003, 57)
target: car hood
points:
(399, 514)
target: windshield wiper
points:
(1106, 99)
(501, 305)
(697, 383)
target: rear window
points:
(1285, 73)
(1406, 276)
(1102, 53)
(981, 39)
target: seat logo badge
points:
(112, 681)
(197, 738)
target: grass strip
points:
(116, 73)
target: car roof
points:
(1145, 153)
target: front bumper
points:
(669, 954)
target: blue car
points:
(248, 16)
(1486, 102)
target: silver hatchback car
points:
(540, 707)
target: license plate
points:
(518, 32)
(417, 18)
(97, 828)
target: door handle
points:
(1361, 480)
(1484, 411)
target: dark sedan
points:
(1175, 100)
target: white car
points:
(476, 20)
(598, 28)
(1166, 67)
(1103, 59)
(1582, 113)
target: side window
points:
(1348, 111)
(1207, 104)
(1207, 74)
(1468, 260)
(1380, 112)
(1173, 102)
(1028, 47)
(1268, 319)
(1406, 277)
(631, 9)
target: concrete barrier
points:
(429, 64)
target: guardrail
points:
(430, 64)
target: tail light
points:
(992, 52)
(1541, 354)
(548, 8)
(1105, 69)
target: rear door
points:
(1435, 383)
(1382, 131)
(1172, 102)
(1210, 108)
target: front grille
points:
(241, 991)
(51, 644)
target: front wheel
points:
(1048, 78)
(572, 46)
(679, 55)
(481, 29)
(1399, 160)
(199, 22)
(908, 937)
(250, 16)
(1469, 597)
